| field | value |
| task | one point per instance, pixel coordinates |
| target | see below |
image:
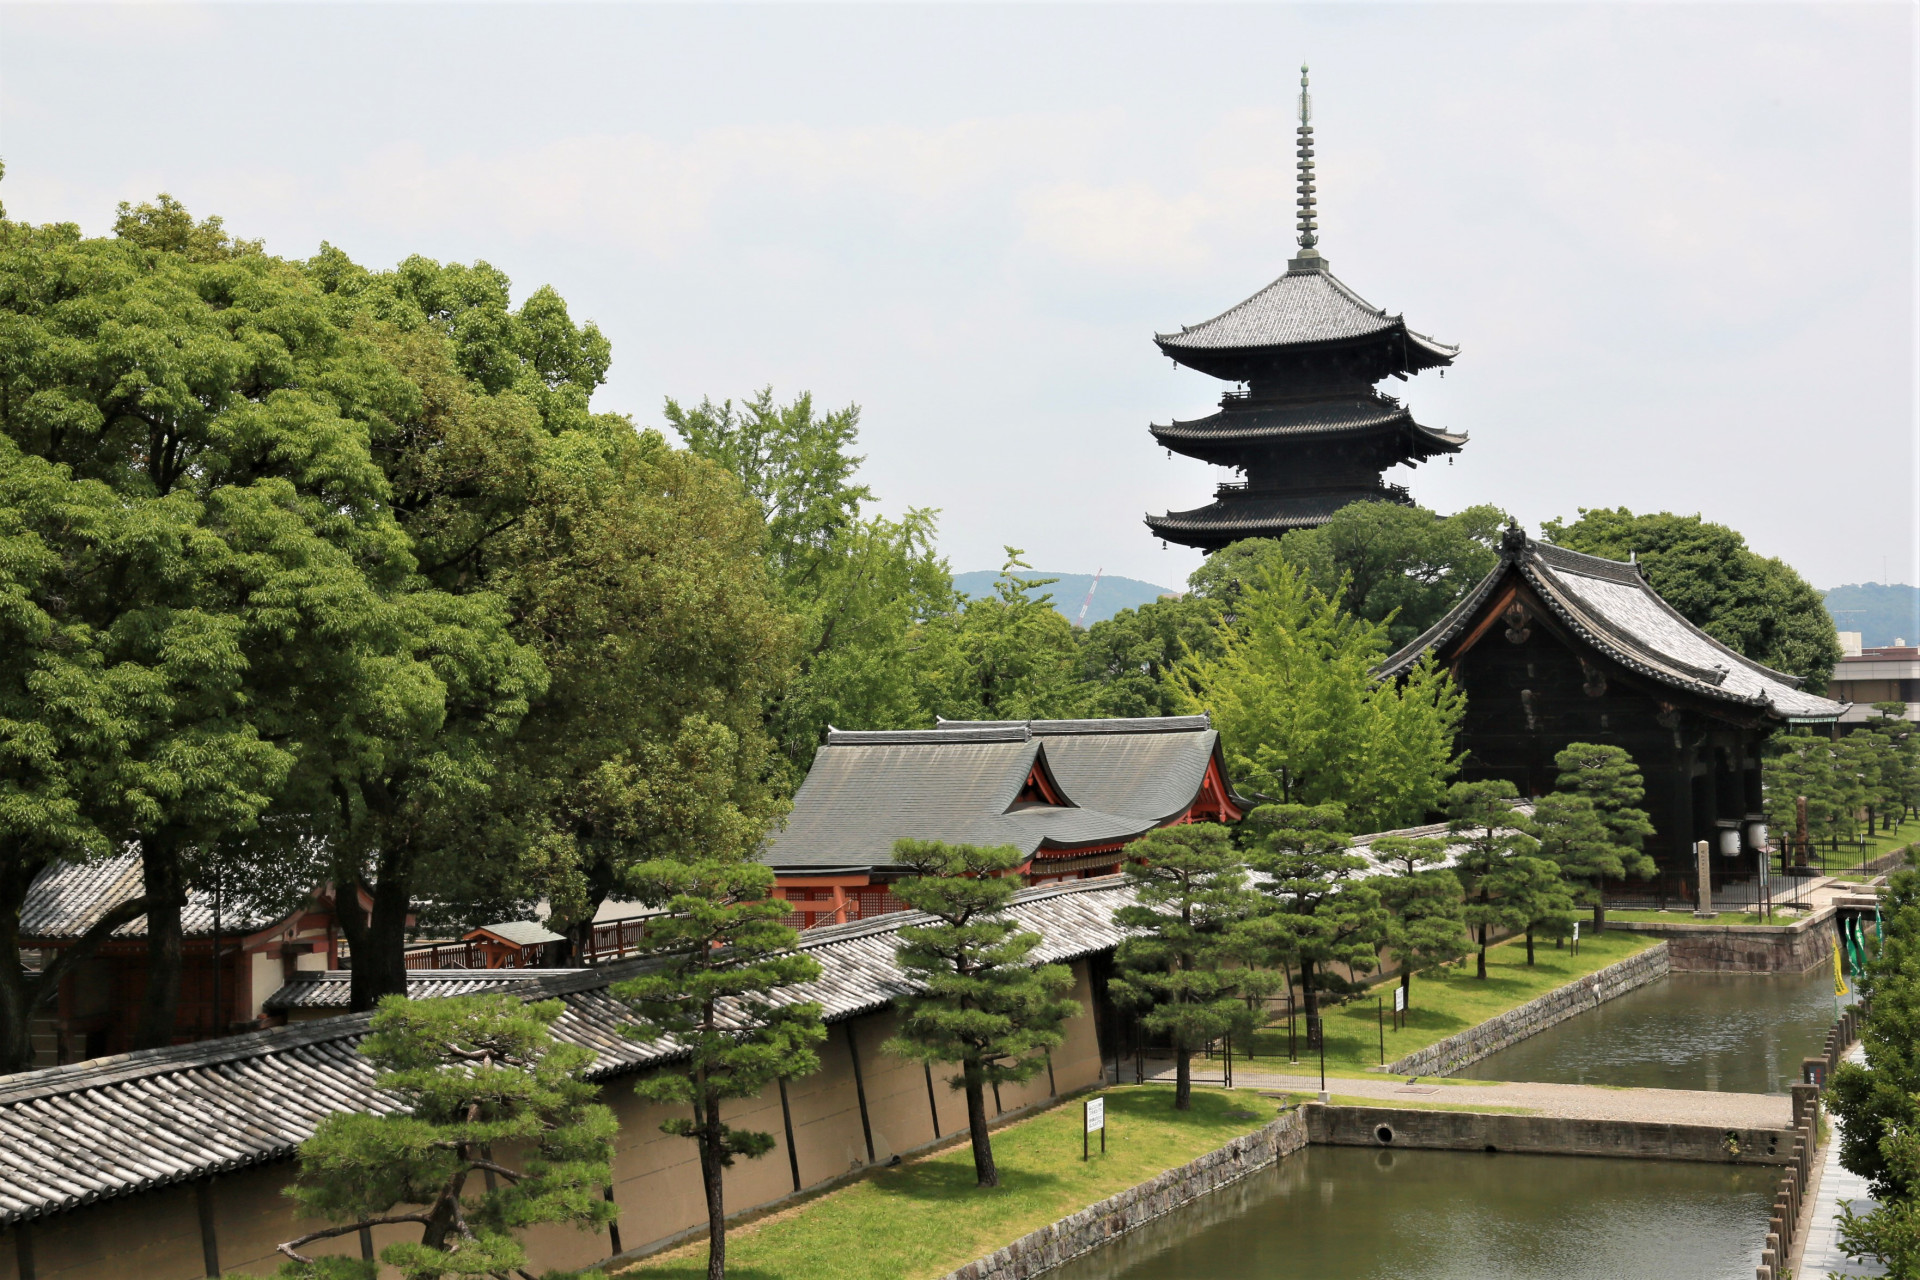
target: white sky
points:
(1674, 242)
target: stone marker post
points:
(1704, 907)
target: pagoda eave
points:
(1253, 514)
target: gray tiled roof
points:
(67, 898)
(1253, 514)
(1299, 309)
(333, 988)
(74, 1135)
(1276, 422)
(958, 783)
(1611, 606)
(522, 933)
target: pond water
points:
(1727, 1032)
(1355, 1213)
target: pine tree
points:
(1426, 927)
(473, 1073)
(726, 956)
(983, 1004)
(1185, 963)
(1322, 913)
(1506, 885)
(1609, 780)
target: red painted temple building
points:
(1069, 794)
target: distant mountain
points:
(1880, 613)
(1070, 592)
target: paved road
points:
(1572, 1101)
(1820, 1247)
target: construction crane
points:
(1082, 621)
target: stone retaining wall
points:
(1799, 947)
(1543, 1135)
(1092, 1227)
(1446, 1056)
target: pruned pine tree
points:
(1425, 926)
(983, 1004)
(1608, 779)
(1323, 912)
(1184, 967)
(1507, 886)
(725, 955)
(477, 1075)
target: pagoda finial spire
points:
(1309, 259)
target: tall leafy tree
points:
(1183, 964)
(475, 1076)
(1292, 692)
(719, 992)
(1403, 566)
(1324, 912)
(1425, 924)
(858, 583)
(983, 1003)
(1593, 828)
(1008, 656)
(1753, 604)
(1125, 660)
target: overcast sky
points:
(1675, 243)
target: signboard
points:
(1576, 937)
(1096, 1114)
(1399, 999)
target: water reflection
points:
(1351, 1213)
(1732, 1033)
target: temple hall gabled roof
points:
(1610, 605)
(961, 783)
(1304, 308)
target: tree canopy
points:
(1756, 605)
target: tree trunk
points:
(166, 888)
(17, 989)
(1182, 1076)
(983, 1169)
(1529, 945)
(1406, 985)
(378, 937)
(1599, 915)
(712, 1139)
(1483, 952)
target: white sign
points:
(1576, 931)
(1399, 999)
(1096, 1114)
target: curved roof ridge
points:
(1111, 724)
(1010, 731)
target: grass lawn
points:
(926, 1217)
(1879, 846)
(1447, 1001)
(1685, 916)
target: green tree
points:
(1403, 566)
(1183, 963)
(725, 957)
(473, 1074)
(1801, 765)
(857, 584)
(1292, 693)
(1324, 912)
(1506, 885)
(1755, 605)
(1125, 660)
(1008, 656)
(1606, 840)
(1878, 1103)
(982, 1002)
(1425, 924)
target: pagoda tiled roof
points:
(961, 783)
(1610, 605)
(1258, 422)
(1253, 514)
(1305, 307)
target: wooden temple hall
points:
(1555, 647)
(1303, 424)
(1069, 794)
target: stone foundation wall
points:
(1717, 948)
(1446, 1056)
(1543, 1135)
(1092, 1227)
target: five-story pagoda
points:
(1305, 427)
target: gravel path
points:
(1572, 1101)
